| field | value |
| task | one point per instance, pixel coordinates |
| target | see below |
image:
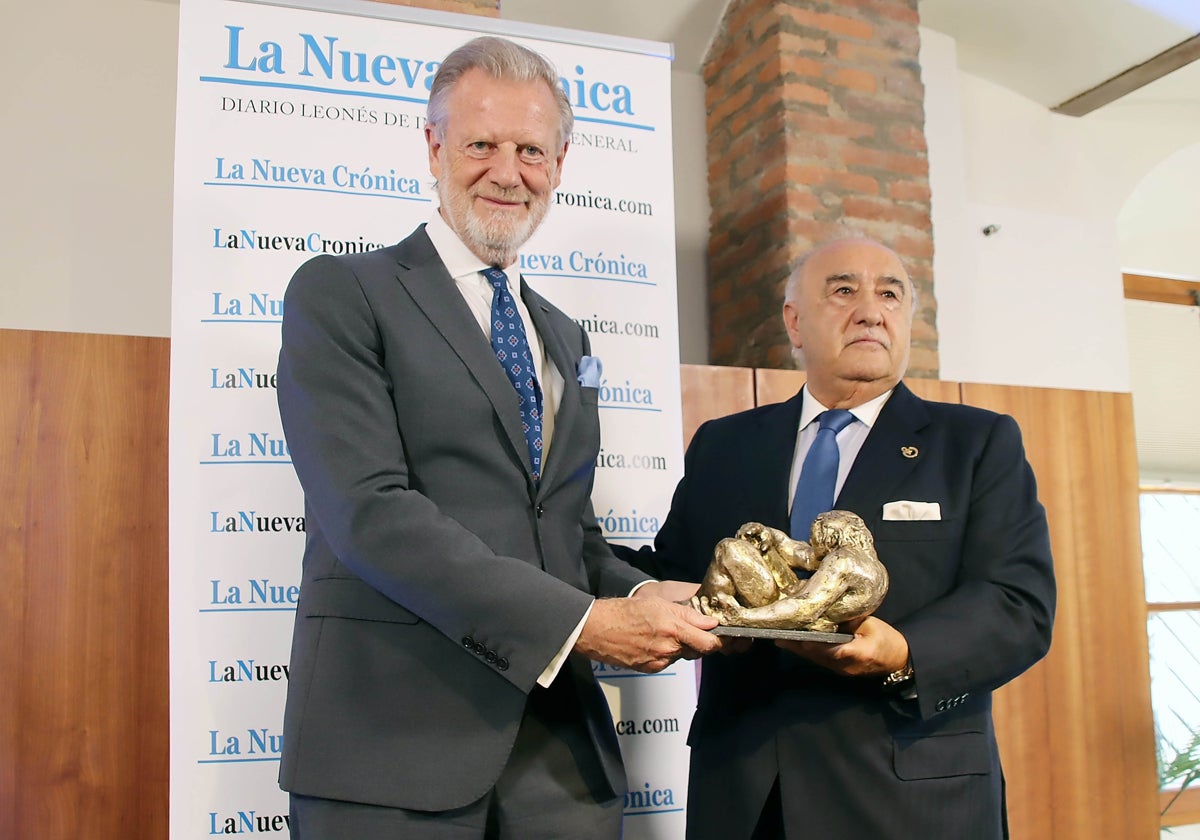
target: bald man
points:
(889, 735)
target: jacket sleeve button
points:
(502, 664)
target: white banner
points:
(300, 131)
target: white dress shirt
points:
(477, 291)
(849, 439)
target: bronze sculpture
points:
(751, 581)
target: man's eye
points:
(478, 146)
(531, 152)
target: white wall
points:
(1038, 302)
(1159, 225)
(691, 214)
(88, 144)
(86, 227)
(90, 117)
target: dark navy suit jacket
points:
(973, 593)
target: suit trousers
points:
(552, 787)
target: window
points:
(1163, 317)
(1171, 558)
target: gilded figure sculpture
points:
(752, 582)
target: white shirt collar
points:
(867, 413)
(456, 256)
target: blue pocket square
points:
(589, 370)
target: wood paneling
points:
(1162, 289)
(937, 390)
(1184, 810)
(772, 386)
(709, 392)
(83, 557)
(1076, 733)
(83, 553)
(778, 385)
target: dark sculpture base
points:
(791, 635)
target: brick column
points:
(815, 124)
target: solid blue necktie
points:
(818, 476)
(512, 351)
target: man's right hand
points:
(645, 634)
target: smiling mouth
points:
(493, 201)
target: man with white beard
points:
(442, 419)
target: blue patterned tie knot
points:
(511, 346)
(818, 476)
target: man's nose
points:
(505, 170)
(870, 311)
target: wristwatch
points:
(899, 680)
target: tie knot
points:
(835, 419)
(496, 277)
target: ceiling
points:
(1046, 50)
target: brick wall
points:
(815, 123)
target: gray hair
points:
(500, 59)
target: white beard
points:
(494, 240)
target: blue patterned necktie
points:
(818, 476)
(512, 351)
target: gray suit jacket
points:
(439, 578)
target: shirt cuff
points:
(556, 663)
(639, 586)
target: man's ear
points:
(435, 146)
(558, 162)
(791, 322)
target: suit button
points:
(941, 706)
(540, 510)
(480, 648)
(491, 656)
(502, 664)
(468, 643)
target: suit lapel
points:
(772, 462)
(432, 289)
(882, 463)
(560, 355)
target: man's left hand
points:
(877, 649)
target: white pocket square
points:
(912, 510)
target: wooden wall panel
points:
(1162, 289)
(1076, 732)
(937, 390)
(83, 555)
(773, 386)
(709, 392)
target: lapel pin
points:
(909, 451)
